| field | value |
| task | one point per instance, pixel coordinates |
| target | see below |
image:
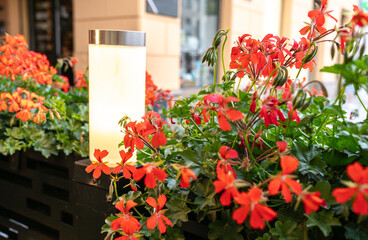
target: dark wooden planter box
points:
(39, 199)
(55, 199)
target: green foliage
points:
(68, 134)
(324, 220)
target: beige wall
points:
(162, 39)
(255, 17)
(11, 16)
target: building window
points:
(51, 25)
(199, 23)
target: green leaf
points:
(285, 231)
(265, 236)
(205, 192)
(46, 145)
(174, 234)
(178, 210)
(333, 69)
(324, 220)
(355, 232)
(225, 230)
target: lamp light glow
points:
(117, 65)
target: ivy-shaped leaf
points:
(355, 232)
(285, 231)
(227, 229)
(324, 220)
(205, 192)
(178, 210)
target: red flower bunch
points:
(26, 105)
(17, 61)
(158, 217)
(318, 20)
(151, 173)
(224, 112)
(127, 169)
(125, 221)
(80, 79)
(251, 202)
(284, 180)
(137, 133)
(357, 190)
(270, 111)
(153, 93)
(99, 166)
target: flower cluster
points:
(154, 94)
(26, 105)
(17, 61)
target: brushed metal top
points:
(116, 37)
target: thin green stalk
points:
(320, 127)
(360, 100)
(268, 80)
(191, 119)
(288, 122)
(215, 70)
(247, 144)
(251, 86)
(172, 195)
(140, 215)
(222, 58)
(301, 67)
(116, 190)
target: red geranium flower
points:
(225, 183)
(283, 181)
(151, 173)
(159, 138)
(311, 201)
(158, 216)
(251, 202)
(126, 221)
(281, 146)
(99, 165)
(225, 154)
(357, 190)
(224, 112)
(127, 168)
(186, 174)
(270, 111)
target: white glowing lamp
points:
(117, 65)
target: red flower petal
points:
(224, 125)
(152, 222)
(91, 167)
(152, 202)
(288, 164)
(360, 205)
(343, 195)
(240, 214)
(234, 115)
(97, 172)
(274, 186)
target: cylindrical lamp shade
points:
(117, 65)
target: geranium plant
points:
(39, 109)
(276, 160)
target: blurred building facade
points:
(178, 31)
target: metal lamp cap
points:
(116, 37)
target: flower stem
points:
(360, 100)
(215, 70)
(301, 67)
(222, 58)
